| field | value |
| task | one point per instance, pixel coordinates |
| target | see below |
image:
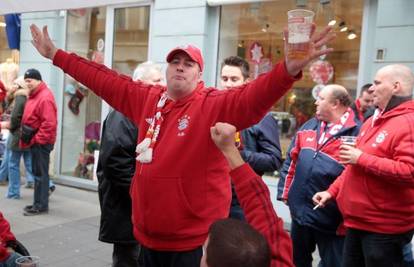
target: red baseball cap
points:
(192, 51)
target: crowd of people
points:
(180, 164)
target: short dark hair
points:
(342, 96)
(365, 88)
(239, 62)
(236, 243)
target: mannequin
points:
(8, 72)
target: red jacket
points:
(5, 236)
(254, 198)
(182, 191)
(377, 193)
(40, 113)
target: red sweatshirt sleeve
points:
(254, 197)
(398, 170)
(336, 185)
(117, 90)
(5, 236)
(246, 105)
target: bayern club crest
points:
(183, 123)
(381, 137)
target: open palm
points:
(42, 42)
(316, 49)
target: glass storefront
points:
(248, 28)
(81, 114)
(81, 108)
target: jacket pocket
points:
(163, 208)
(27, 133)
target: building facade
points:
(122, 36)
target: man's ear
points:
(200, 75)
(396, 88)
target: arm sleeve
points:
(287, 173)
(336, 185)
(254, 197)
(117, 161)
(119, 91)
(268, 156)
(17, 113)
(398, 168)
(246, 105)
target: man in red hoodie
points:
(375, 193)
(178, 188)
(7, 241)
(39, 124)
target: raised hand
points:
(42, 42)
(223, 136)
(317, 48)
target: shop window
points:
(131, 31)
(81, 107)
(259, 26)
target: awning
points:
(22, 6)
(233, 2)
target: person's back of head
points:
(148, 72)
(235, 243)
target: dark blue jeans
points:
(155, 258)
(368, 249)
(305, 239)
(40, 169)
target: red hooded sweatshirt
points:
(377, 193)
(186, 187)
(40, 113)
(5, 236)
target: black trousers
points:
(154, 258)
(126, 255)
(40, 168)
(368, 249)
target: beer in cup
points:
(299, 27)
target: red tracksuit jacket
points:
(377, 193)
(183, 190)
(254, 197)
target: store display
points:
(8, 72)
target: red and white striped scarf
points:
(327, 130)
(146, 147)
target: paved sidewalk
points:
(67, 235)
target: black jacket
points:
(261, 147)
(116, 167)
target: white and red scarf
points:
(327, 130)
(146, 147)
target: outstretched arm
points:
(117, 90)
(254, 197)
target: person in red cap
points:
(181, 182)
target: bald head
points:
(401, 74)
(392, 80)
(339, 93)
